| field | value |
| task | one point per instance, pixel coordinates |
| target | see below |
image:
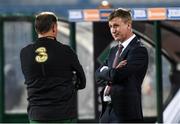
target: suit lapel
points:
(125, 52)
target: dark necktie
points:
(115, 63)
(118, 53)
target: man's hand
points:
(122, 64)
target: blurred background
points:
(92, 40)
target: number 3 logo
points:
(42, 55)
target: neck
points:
(47, 35)
(128, 36)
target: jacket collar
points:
(126, 50)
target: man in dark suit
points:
(48, 67)
(123, 72)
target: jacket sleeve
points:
(77, 67)
(137, 61)
(99, 75)
(102, 75)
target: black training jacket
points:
(48, 67)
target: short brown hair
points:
(121, 13)
(44, 21)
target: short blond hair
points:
(124, 14)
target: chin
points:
(116, 39)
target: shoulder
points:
(68, 49)
(113, 48)
(25, 51)
(139, 44)
(27, 48)
(61, 46)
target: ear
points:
(129, 25)
(54, 28)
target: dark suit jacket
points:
(126, 81)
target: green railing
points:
(1, 72)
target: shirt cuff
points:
(103, 68)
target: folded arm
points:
(137, 60)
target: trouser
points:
(109, 115)
(62, 121)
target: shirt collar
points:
(126, 42)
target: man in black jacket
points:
(48, 67)
(123, 72)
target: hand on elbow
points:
(121, 64)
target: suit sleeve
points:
(99, 76)
(102, 77)
(77, 67)
(137, 61)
